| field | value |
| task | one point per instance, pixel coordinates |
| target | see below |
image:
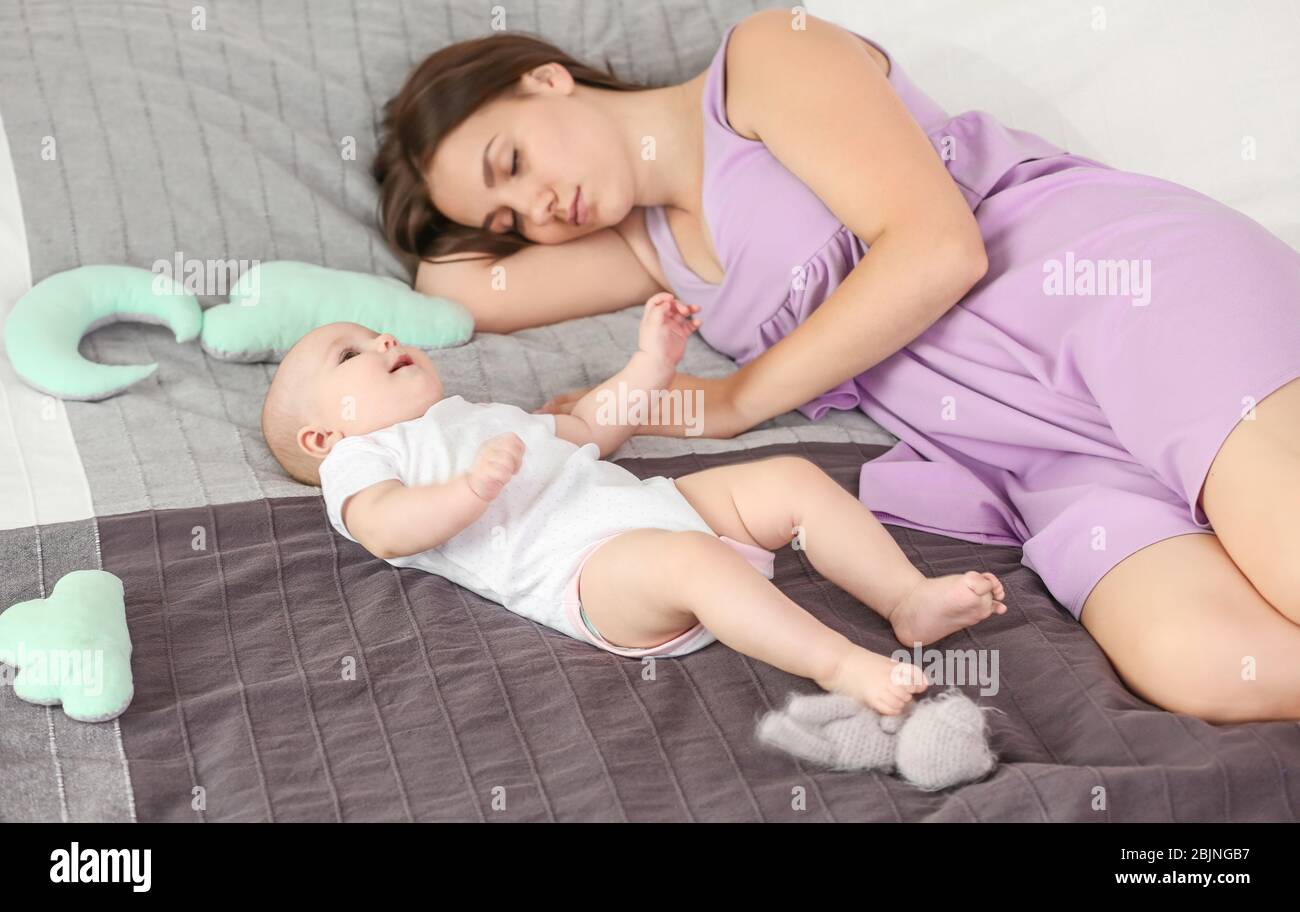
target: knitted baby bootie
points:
(944, 742)
(832, 730)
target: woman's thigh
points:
(1252, 498)
(1187, 631)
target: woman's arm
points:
(710, 413)
(544, 283)
(890, 298)
(825, 109)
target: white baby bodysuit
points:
(524, 548)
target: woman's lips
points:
(579, 214)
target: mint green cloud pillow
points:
(46, 324)
(72, 647)
(272, 306)
(275, 304)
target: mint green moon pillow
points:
(275, 304)
(72, 648)
(45, 326)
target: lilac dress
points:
(1072, 402)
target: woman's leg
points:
(646, 586)
(1252, 498)
(770, 501)
(1187, 632)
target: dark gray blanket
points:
(291, 676)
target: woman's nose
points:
(539, 205)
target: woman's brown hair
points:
(439, 94)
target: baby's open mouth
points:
(402, 361)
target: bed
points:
(281, 673)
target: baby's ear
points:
(315, 441)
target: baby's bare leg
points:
(770, 501)
(646, 586)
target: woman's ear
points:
(549, 78)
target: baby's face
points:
(355, 380)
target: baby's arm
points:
(390, 519)
(587, 423)
(662, 342)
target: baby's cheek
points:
(349, 405)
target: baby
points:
(521, 508)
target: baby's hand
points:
(664, 327)
(497, 462)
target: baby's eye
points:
(347, 351)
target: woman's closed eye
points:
(514, 169)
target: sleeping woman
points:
(1093, 365)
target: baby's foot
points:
(882, 683)
(940, 606)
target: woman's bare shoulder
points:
(760, 36)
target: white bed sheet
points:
(1179, 89)
(42, 479)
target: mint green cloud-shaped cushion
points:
(272, 306)
(73, 647)
(275, 304)
(45, 326)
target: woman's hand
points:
(563, 404)
(712, 398)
